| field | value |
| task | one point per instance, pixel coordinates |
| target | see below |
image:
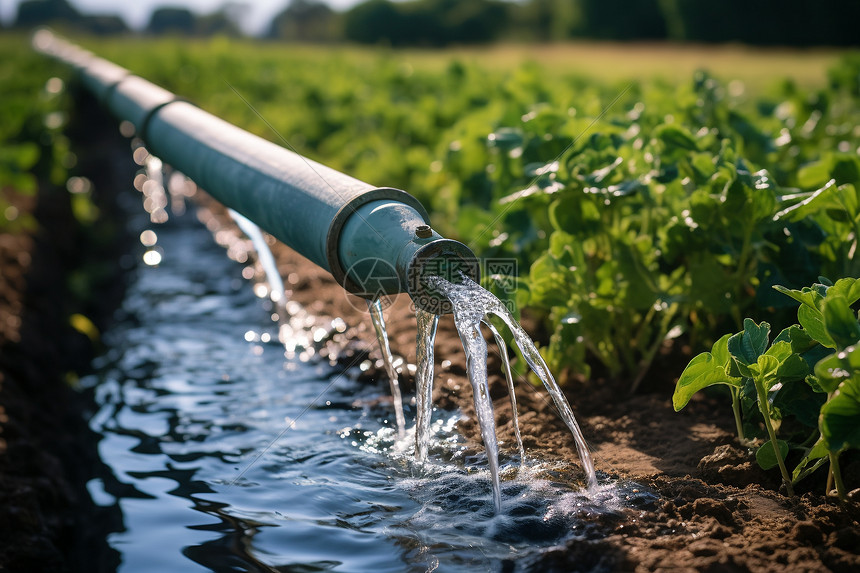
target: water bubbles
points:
(55, 120)
(261, 290)
(338, 325)
(140, 154)
(572, 317)
(152, 257)
(54, 86)
(148, 238)
(126, 128)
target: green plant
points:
(656, 213)
(815, 364)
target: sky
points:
(136, 12)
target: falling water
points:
(468, 321)
(267, 260)
(427, 323)
(506, 366)
(375, 308)
(472, 304)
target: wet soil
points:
(716, 510)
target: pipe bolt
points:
(423, 231)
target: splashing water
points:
(472, 306)
(427, 323)
(375, 308)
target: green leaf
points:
(848, 288)
(746, 347)
(839, 321)
(796, 398)
(701, 372)
(819, 450)
(845, 169)
(840, 417)
(837, 368)
(809, 296)
(815, 384)
(720, 352)
(766, 456)
(838, 202)
(549, 282)
(676, 137)
(794, 367)
(798, 338)
(780, 350)
(765, 370)
(816, 454)
(813, 322)
(814, 174)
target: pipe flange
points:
(345, 212)
(147, 119)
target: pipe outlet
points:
(387, 247)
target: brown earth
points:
(48, 522)
(716, 511)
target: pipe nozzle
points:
(386, 247)
(444, 258)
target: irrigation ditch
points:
(712, 508)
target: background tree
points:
(171, 20)
(306, 21)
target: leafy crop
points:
(639, 214)
(670, 210)
(810, 372)
(32, 145)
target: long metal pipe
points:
(374, 240)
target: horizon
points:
(136, 14)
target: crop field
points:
(659, 205)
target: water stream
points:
(472, 307)
(267, 260)
(509, 378)
(425, 339)
(375, 309)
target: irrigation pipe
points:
(375, 241)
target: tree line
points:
(434, 23)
